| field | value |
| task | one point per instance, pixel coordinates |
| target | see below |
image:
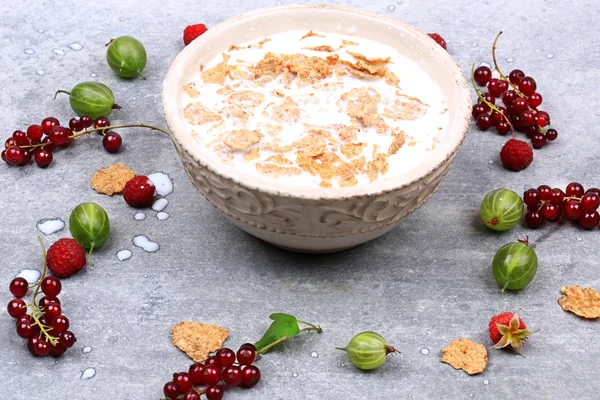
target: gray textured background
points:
(421, 286)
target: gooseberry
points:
(126, 56)
(501, 209)
(514, 265)
(367, 350)
(89, 225)
(94, 99)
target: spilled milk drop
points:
(391, 7)
(279, 3)
(550, 56)
(510, 60)
(124, 255)
(160, 205)
(486, 382)
(29, 52)
(40, 72)
(86, 350)
(163, 216)
(314, 354)
(139, 216)
(59, 52)
(32, 276)
(88, 374)
(50, 225)
(93, 75)
(295, 375)
(425, 351)
(164, 184)
(146, 244)
(75, 46)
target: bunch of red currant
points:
(40, 141)
(546, 203)
(214, 374)
(46, 328)
(521, 101)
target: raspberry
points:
(65, 257)
(516, 155)
(139, 192)
(191, 32)
(439, 40)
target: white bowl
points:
(313, 219)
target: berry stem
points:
(502, 76)
(268, 347)
(490, 105)
(315, 327)
(61, 91)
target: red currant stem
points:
(200, 391)
(572, 198)
(268, 347)
(315, 327)
(61, 91)
(492, 106)
(502, 76)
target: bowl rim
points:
(454, 136)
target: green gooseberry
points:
(501, 209)
(91, 98)
(514, 265)
(126, 56)
(367, 350)
(89, 225)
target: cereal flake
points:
(197, 339)
(465, 354)
(584, 302)
(242, 139)
(111, 180)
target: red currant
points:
(484, 122)
(10, 142)
(24, 330)
(538, 141)
(542, 120)
(112, 142)
(75, 124)
(531, 198)
(101, 122)
(171, 390)
(496, 117)
(35, 133)
(518, 105)
(51, 286)
(183, 381)
(21, 138)
(534, 219)
(593, 190)
(487, 97)
(67, 339)
(59, 135)
(52, 311)
(558, 196)
(46, 300)
(191, 395)
(590, 202)
(509, 96)
(225, 358)
(212, 375)
(497, 86)
(479, 109)
(250, 376)
(575, 189)
(528, 118)
(535, 100)
(32, 343)
(57, 351)
(86, 121)
(3, 155)
(214, 393)
(210, 361)
(48, 145)
(69, 140)
(551, 134)
(545, 192)
(15, 155)
(43, 157)
(246, 355)
(48, 124)
(232, 376)
(527, 86)
(26, 157)
(42, 348)
(515, 76)
(551, 212)
(18, 287)
(16, 308)
(502, 127)
(59, 325)
(196, 373)
(589, 220)
(573, 209)
(482, 75)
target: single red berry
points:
(35, 133)
(139, 192)
(59, 135)
(497, 86)
(214, 393)
(86, 121)
(516, 155)
(66, 257)
(593, 190)
(538, 141)
(225, 358)
(518, 105)
(509, 96)
(515, 76)
(45, 300)
(248, 345)
(508, 330)
(21, 138)
(24, 330)
(26, 157)
(531, 198)
(32, 343)
(545, 192)
(69, 140)
(250, 376)
(212, 375)
(535, 100)
(575, 189)
(487, 97)
(479, 109)
(44, 320)
(246, 355)
(16, 308)
(573, 209)
(48, 124)
(502, 127)
(191, 32)
(15, 155)
(171, 390)
(112, 142)
(48, 145)
(551, 135)
(57, 351)
(482, 75)
(191, 395)
(527, 85)
(232, 376)
(589, 220)
(18, 287)
(3, 155)
(67, 339)
(196, 373)
(542, 120)
(42, 348)
(438, 39)
(52, 311)
(590, 202)
(557, 196)
(496, 117)
(75, 124)
(43, 157)
(51, 286)
(101, 122)
(551, 212)
(528, 118)
(59, 325)
(210, 361)
(10, 142)
(183, 381)
(484, 122)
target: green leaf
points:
(283, 325)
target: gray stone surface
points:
(421, 286)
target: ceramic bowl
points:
(312, 219)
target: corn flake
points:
(111, 180)
(465, 354)
(197, 339)
(218, 73)
(584, 302)
(242, 139)
(197, 114)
